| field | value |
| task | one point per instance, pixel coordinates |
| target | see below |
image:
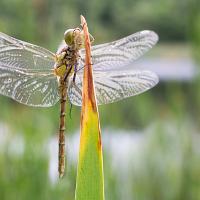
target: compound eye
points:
(69, 37)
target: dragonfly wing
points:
(114, 86)
(22, 55)
(26, 73)
(115, 55)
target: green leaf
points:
(90, 179)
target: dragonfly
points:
(34, 76)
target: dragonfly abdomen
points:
(61, 155)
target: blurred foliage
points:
(194, 31)
(165, 165)
(107, 19)
(169, 164)
(159, 174)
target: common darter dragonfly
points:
(34, 76)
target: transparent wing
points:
(110, 56)
(114, 86)
(26, 73)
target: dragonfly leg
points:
(70, 110)
(83, 66)
(76, 87)
(75, 70)
(82, 25)
(67, 73)
(74, 77)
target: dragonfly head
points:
(75, 37)
(69, 37)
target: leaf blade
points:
(90, 178)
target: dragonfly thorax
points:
(66, 60)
